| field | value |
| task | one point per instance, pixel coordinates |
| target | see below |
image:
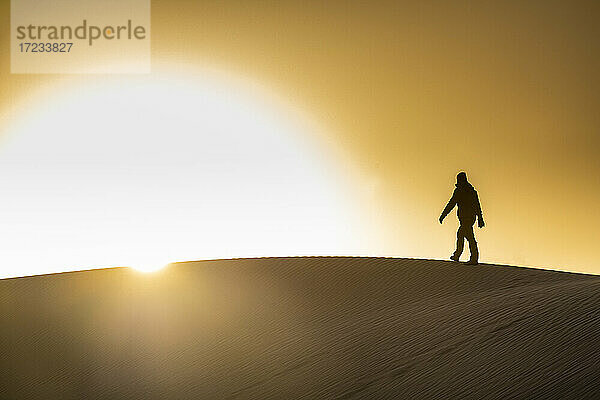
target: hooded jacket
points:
(465, 196)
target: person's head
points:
(461, 177)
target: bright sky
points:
(403, 96)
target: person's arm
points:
(478, 210)
(451, 203)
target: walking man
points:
(469, 209)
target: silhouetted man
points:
(469, 208)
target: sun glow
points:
(144, 171)
(149, 268)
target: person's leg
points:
(460, 243)
(470, 236)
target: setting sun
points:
(149, 268)
(156, 169)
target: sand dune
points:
(302, 328)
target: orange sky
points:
(415, 92)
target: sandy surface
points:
(302, 328)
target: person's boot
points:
(472, 262)
(454, 257)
